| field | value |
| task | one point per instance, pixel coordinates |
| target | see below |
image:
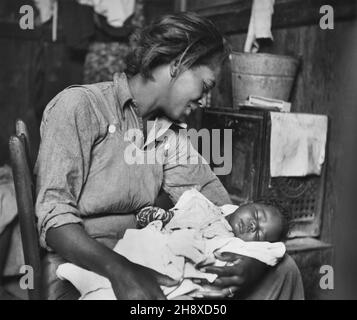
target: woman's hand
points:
(131, 281)
(237, 275)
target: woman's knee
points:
(291, 273)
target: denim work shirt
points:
(83, 169)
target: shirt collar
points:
(121, 87)
(124, 95)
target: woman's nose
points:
(203, 102)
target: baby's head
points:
(263, 220)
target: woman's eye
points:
(206, 88)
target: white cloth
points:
(297, 144)
(176, 252)
(45, 8)
(259, 24)
(48, 9)
(116, 11)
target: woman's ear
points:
(174, 68)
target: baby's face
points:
(256, 222)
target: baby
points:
(262, 220)
(180, 241)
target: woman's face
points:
(188, 91)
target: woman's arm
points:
(186, 169)
(130, 281)
(69, 129)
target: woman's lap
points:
(106, 230)
(282, 282)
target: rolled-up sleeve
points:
(186, 169)
(68, 131)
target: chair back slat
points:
(22, 131)
(24, 188)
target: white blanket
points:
(197, 230)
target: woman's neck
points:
(145, 93)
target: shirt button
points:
(112, 128)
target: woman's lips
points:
(188, 111)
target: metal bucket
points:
(267, 75)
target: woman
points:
(87, 190)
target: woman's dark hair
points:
(186, 38)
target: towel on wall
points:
(259, 24)
(297, 144)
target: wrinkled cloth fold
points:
(177, 249)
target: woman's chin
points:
(182, 119)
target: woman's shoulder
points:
(68, 100)
(77, 100)
(70, 107)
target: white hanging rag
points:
(48, 9)
(297, 144)
(116, 11)
(45, 8)
(259, 24)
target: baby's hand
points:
(150, 214)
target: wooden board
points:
(232, 16)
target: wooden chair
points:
(19, 145)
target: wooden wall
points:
(33, 69)
(321, 88)
(315, 89)
(296, 32)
